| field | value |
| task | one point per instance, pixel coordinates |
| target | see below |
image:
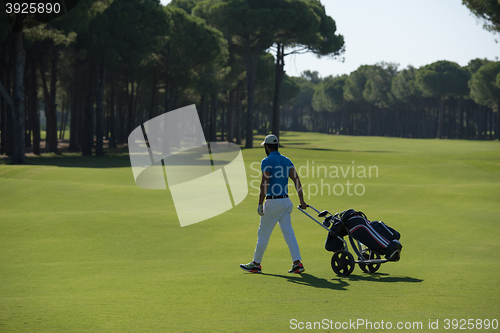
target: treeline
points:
(439, 100)
(107, 66)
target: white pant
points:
(276, 210)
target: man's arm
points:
(298, 186)
(264, 184)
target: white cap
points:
(270, 139)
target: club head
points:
(323, 213)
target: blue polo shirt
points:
(279, 166)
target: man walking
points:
(276, 169)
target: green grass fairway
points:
(83, 249)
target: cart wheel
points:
(369, 268)
(343, 263)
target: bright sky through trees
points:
(410, 32)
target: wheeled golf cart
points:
(343, 261)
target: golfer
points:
(276, 169)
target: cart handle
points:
(318, 222)
(317, 211)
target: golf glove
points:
(260, 210)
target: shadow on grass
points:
(348, 150)
(113, 158)
(306, 279)
(292, 145)
(382, 277)
(78, 161)
(340, 282)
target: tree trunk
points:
(88, 121)
(152, 108)
(440, 118)
(63, 112)
(27, 124)
(10, 105)
(6, 103)
(120, 117)
(99, 112)
(202, 115)
(3, 124)
(8, 112)
(130, 100)
(167, 93)
(497, 129)
(46, 97)
(170, 93)
(18, 156)
(369, 130)
(52, 104)
(50, 109)
(251, 59)
(490, 123)
(466, 122)
(33, 102)
(295, 119)
(3, 103)
(74, 135)
(237, 115)
(213, 117)
(223, 120)
(230, 115)
(279, 73)
(111, 120)
(400, 133)
(136, 115)
(65, 119)
(480, 126)
(175, 95)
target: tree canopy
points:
(486, 10)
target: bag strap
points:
(349, 213)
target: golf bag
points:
(333, 243)
(376, 235)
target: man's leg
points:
(267, 223)
(285, 222)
